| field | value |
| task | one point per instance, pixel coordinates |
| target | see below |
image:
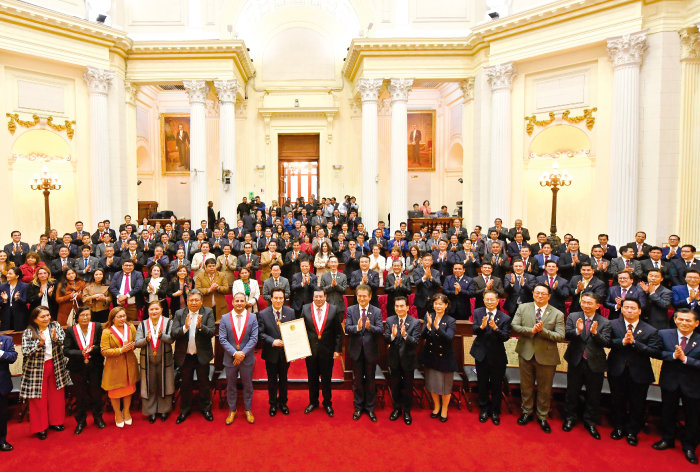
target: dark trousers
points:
(421, 311)
(3, 418)
(364, 388)
(277, 381)
(401, 384)
(576, 377)
(320, 364)
(189, 366)
(628, 402)
(88, 393)
(669, 412)
(490, 385)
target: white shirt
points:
(238, 323)
(634, 325)
(681, 335)
(48, 354)
(191, 345)
(320, 314)
(544, 310)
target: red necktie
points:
(684, 342)
(127, 288)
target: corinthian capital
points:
(628, 49)
(98, 80)
(500, 76)
(226, 90)
(399, 88)
(467, 87)
(690, 43)
(196, 90)
(369, 89)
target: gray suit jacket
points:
(334, 294)
(79, 266)
(592, 344)
(269, 284)
(543, 345)
(618, 264)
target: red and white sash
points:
(236, 335)
(319, 330)
(122, 337)
(86, 341)
(155, 339)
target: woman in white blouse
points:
(395, 256)
(321, 259)
(377, 263)
(249, 287)
(201, 257)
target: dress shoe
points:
(544, 425)
(617, 434)
(495, 418)
(6, 446)
(128, 422)
(164, 416)
(689, 454)
(372, 416)
(80, 427)
(632, 439)
(207, 415)
(273, 410)
(443, 419)
(249, 417)
(329, 410)
(356, 415)
(152, 419)
(56, 427)
(662, 445)
(181, 417)
(41, 435)
(407, 417)
(120, 424)
(568, 425)
(284, 409)
(229, 419)
(524, 419)
(310, 408)
(592, 430)
(99, 422)
(395, 415)
(483, 416)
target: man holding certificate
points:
(276, 364)
(325, 331)
(238, 334)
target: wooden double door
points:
(298, 156)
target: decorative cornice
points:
(399, 88)
(500, 76)
(369, 89)
(627, 50)
(130, 91)
(690, 43)
(98, 80)
(467, 87)
(196, 91)
(226, 90)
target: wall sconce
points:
(337, 167)
(260, 167)
(226, 176)
(296, 103)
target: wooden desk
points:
(414, 224)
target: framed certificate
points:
(296, 341)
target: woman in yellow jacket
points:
(121, 371)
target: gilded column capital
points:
(98, 80)
(628, 49)
(500, 76)
(690, 43)
(130, 91)
(196, 91)
(467, 87)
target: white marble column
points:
(369, 204)
(626, 54)
(689, 208)
(227, 90)
(468, 167)
(500, 78)
(131, 205)
(197, 93)
(399, 88)
(98, 83)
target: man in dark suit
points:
(634, 342)
(513, 248)
(458, 289)
(583, 283)
(518, 229)
(365, 276)
(334, 284)
(325, 331)
(396, 284)
(351, 257)
(292, 260)
(427, 281)
(600, 264)
(248, 259)
(570, 261)
(484, 282)
(498, 260)
(273, 354)
(609, 251)
(401, 335)
(518, 287)
(457, 229)
(363, 323)
(443, 259)
(8, 356)
(126, 287)
(641, 249)
(17, 250)
(659, 298)
(85, 265)
(688, 294)
(618, 293)
(134, 255)
(193, 328)
(182, 141)
(558, 286)
(304, 284)
(679, 267)
(588, 334)
(656, 261)
(680, 380)
(62, 263)
(491, 331)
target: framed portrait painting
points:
(421, 140)
(175, 144)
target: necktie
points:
(623, 293)
(400, 324)
(226, 259)
(364, 316)
(276, 283)
(17, 249)
(127, 288)
(520, 246)
(546, 258)
(587, 324)
(627, 263)
(248, 258)
(85, 263)
(239, 320)
(520, 280)
(490, 316)
(656, 265)
(538, 315)
(687, 264)
(278, 316)
(551, 282)
(630, 327)
(684, 342)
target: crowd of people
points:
(85, 301)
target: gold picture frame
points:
(175, 143)
(421, 154)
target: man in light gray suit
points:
(540, 327)
(86, 264)
(627, 263)
(275, 281)
(334, 284)
(238, 334)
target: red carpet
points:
(315, 442)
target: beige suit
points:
(202, 283)
(265, 260)
(538, 355)
(227, 268)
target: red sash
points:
(319, 332)
(155, 340)
(233, 328)
(123, 339)
(88, 341)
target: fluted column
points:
(98, 84)
(467, 87)
(399, 88)
(131, 207)
(500, 78)
(689, 208)
(626, 53)
(197, 93)
(369, 92)
(227, 90)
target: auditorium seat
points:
(382, 386)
